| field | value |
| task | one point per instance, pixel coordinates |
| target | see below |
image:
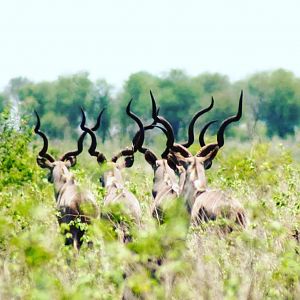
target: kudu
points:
(203, 203)
(72, 203)
(112, 181)
(166, 186)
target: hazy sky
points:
(111, 39)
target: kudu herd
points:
(178, 174)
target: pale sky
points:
(42, 39)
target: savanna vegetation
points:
(272, 106)
(260, 262)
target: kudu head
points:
(163, 174)
(213, 148)
(113, 167)
(208, 152)
(182, 148)
(194, 179)
(59, 168)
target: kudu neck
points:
(62, 178)
(113, 177)
(194, 181)
(164, 179)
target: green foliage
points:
(3, 101)
(168, 261)
(137, 88)
(58, 103)
(271, 102)
(178, 96)
(102, 99)
(278, 100)
(177, 99)
(14, 154)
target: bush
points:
(171, 261)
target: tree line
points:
(272, 101)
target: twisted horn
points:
(136, 137)
(92, 150)
(43, 152)
(97, 125)
(203, 131)
(168, 127)
(138, 142)
(154, 109)
(75, 152)
(81, 138)
(226, 122)
(192, 124)
(146, 128)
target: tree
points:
(178, 100)
(72, 92)
(209, 83)
(279, 105)
(15, 84)
(58, 102)
(179, 97)
(137, 87)
(12, 98)
(3, 101)
(102, 99)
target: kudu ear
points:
(181, 150)
(127, 153)
(70, 161)
(128, 162)
(208, 152)
(44, 163)
(207, 164)
(178, 160)
(172, 162)
(150, 158)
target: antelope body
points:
(71, 202)
(204, 204)
(166, 186)
(116, 192)
(166, 183)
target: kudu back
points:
(166, 184)
(203, 203)
(72, 202)
(116, 192)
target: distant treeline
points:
(271, 102)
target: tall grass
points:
(171, 261)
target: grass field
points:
(261, 262)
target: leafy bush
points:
(170, 261)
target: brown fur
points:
(71, 203)
(205, 204)
(165, 185)
(117, 194)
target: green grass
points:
(261, 262)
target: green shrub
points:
(168, 261)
